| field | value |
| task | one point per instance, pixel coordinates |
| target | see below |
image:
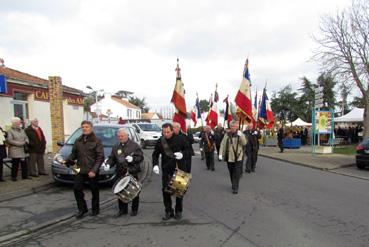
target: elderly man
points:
(186, 138)
(172, 149)
(208, 146)
(88, 151)
(231, 150)
(126, 155)
(36, 149)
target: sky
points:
(133, 45)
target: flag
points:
(198, 107)
(266, 116)
(212, 118)
(178, 99)
(227, 112)
(194, 115)
(255, 109)
(243, 97)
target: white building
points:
(115, 107)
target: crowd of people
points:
(25, 148)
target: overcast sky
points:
(133, 45)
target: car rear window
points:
(149, 127)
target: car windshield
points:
(149, 127)
(106, 134)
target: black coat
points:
(208, 146)
(168, 163)
(252, 137)
(280, 134)
(89, 153)
(35, 145)
(118, 156)
(3, 154)
(189, 139)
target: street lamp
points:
(97, 105)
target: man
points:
(36, 149)
(173, 153)
(186, 138)
(218, 136)
(231, 150)
(89, 153)
(207, 140)
(126, 155)
(252, 135)
(280, 136)
(200, 144)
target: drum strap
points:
(168, 152)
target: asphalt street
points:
(279, 205)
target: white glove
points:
(220, 157)
(201, 149)
(212, 132)
(155, 169)
(106, 167)
(255, 132)
(239, 133)
(178, 155)
(129, 158)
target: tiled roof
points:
(21, 76)
(125, 103)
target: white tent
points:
(355, 115)
(300, 122)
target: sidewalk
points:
(303, 156)
(10, 189)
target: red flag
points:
(212, 118)
(227, 112)
(194, 115)
(243, 97)
(178, 99)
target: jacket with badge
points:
(89, 153)
(118, 156)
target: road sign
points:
(318, 95)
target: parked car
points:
(197, 137)
(149, 133)
(107, 134)
(362, 156)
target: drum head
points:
(121, 184)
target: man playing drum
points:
(173, 153)
(126, 155)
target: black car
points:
(107, 133)
(362, 156)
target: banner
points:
(323, 122)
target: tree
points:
(123, 94)
(87, 102)
(204, 105)
(358, 102)
(140, 103)
(345, 92)
(284, 104)
(306, 101)
(326, 81)
(344, 49)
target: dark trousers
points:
(188, 163)
(234, 169)
(167, 196)
(35, 158)
(209, 157)
(280, 144)
(1, 168)
(15, 167)
(252, 155)
(123, 207)
(79, 184)
(217, 146)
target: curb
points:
(26, 192)
(306, 165)
(8, 237)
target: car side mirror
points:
(60, 143)
(138, 131)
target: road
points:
(279, 205)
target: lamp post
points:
(96, 101)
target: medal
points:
(119, 151)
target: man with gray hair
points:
(36, 149)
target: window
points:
(20, 96)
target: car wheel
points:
(360, 166)
(143, 144)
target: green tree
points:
(284, 104)
(140, 102)
(306, 100)
(204, 105)
(87, 102)
(358, 102)
(326, 81)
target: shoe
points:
(207, 168)
(2, 180)
(253, 169)
(212, 169)
(178, 216)
(168, 216)
(80, 214)
(235, 192)
(248, 171)
(94, 213)
(34, 176)
(43, 174)
(14, 179)
(133, 213)
(120, 213)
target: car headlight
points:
(58, 158)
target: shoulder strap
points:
(168, 152)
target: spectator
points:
(2, 152)
(17, 141)
(36, 149)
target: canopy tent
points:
(355, 115)
(300, 122)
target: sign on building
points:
(3, 85)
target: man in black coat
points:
(173, 151)
(88, 151)
(126, 155)
(187, 137)
(252, 147)
(218, 137)
(280, 136)
(208, 145)
(36, 149)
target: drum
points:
(179, 183)
(127, 188)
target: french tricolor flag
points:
(266, 116)
(178, 99)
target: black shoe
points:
(34, 176)
(133, 213)
(168, 216)
(14, 179)
(178, 216)
(120, 213)
(235, 192)
(248, 171)
(212, 169)
(80, 214)
(94, 213)
(2, 180)
(253, 169)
